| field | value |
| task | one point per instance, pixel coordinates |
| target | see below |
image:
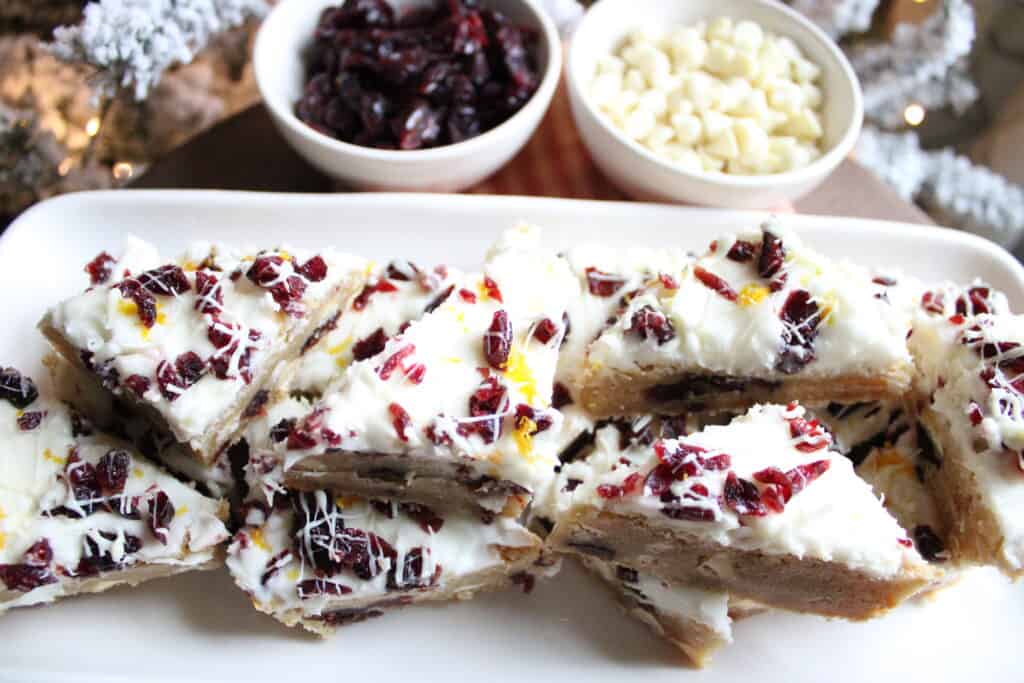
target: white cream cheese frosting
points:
(724, 483)
(75, 503)
(750, 311)
(185, 337)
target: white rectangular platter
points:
(199, 627)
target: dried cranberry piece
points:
(360, 14)
(145, 302)
(314, 587)
(545, 331)
(100, 268)
(810, 434)
(209, 292)
(467, 296)
(776, 477)
(360, 302)
(370, 346)
(302, 435)
(648, 323)
(974, 302)
(265, 270)
(497, 343)
(33, 572)
(773, 256)
(541, 420)
(256, 405)
(933, 302)
(884, 280)
(489, 400)
(282, 429)
(428, 520)
(39, 554)
(742, 496)
(742, 251)
(17, 389)
(561, 396)
(161, 512)
(400, 420)
(165, 281)
(190, 368)
(800, 319)
(402, 271)
(81, 479)
(439, 299)
(394, 361)
(929, 544)
(314, 270)
(715, 283)
(138, 384)
(490, 287)
(801, 476)
(29, 421)
(603, 284)
(112, 471)
(974, 413)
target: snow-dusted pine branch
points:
(960, 193)
(915, 57)
(132, 42)
(837, 18)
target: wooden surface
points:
(246, 153)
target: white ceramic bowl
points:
(641, 173)
(280, 76)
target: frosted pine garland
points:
(956, 90)
(838, 17)
(960, 193)
(916, 57)
(132, 42)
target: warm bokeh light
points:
(913, 114)
(92, 126)
(64, 167)
(122, 170)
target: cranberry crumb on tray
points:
(322, 559)
(429, 76)
(762, 508)
(81, 512)
(759, 318)
(190, 343)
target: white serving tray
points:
(199, 627)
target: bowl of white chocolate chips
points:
(731, 103)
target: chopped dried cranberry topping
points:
(667, 281)
(742, 251)
(302, 435)
(190, 368)
(428, 520)
(33, 572)
(545, 331)
(400, 420)
(772, 257)
(648, 323)
(138, 384)
(371, 345)
(161, 512)
(439, 299)
(540, 419)
(360, 302)
(492, 290)
(100, 268)
(974, 413)
(802, 475)
(497, 343)
(39, 554)
(884, 281)
(165, 281)
(742, 496)
(209, 292)
(145, 302)
(467, 296)
(933, 302)
(29, 421)
(929, 544)
(256, 405)
(415, 373)
(489, 400)
(603, 284)
(314, 270)
(17, 389)
(800, 319)
(975, 301)
(810, 434)
(561, 396)
(394, 361)
(715, 283)
(112, 471)
(629, 485)
(313, 587)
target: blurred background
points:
(93, 93)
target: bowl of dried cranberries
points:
(413, 95)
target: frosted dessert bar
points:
(759, 318)
(322, 560)
(761, 508)
(190, 343)
(81, 512)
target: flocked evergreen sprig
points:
(838, 18)
(958, 192)
(132, 42)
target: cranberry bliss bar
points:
(81, 513)
(762, 508)
(970, 364)
(323, 560)
(191, 343)
(455, 411)
(759, 318)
